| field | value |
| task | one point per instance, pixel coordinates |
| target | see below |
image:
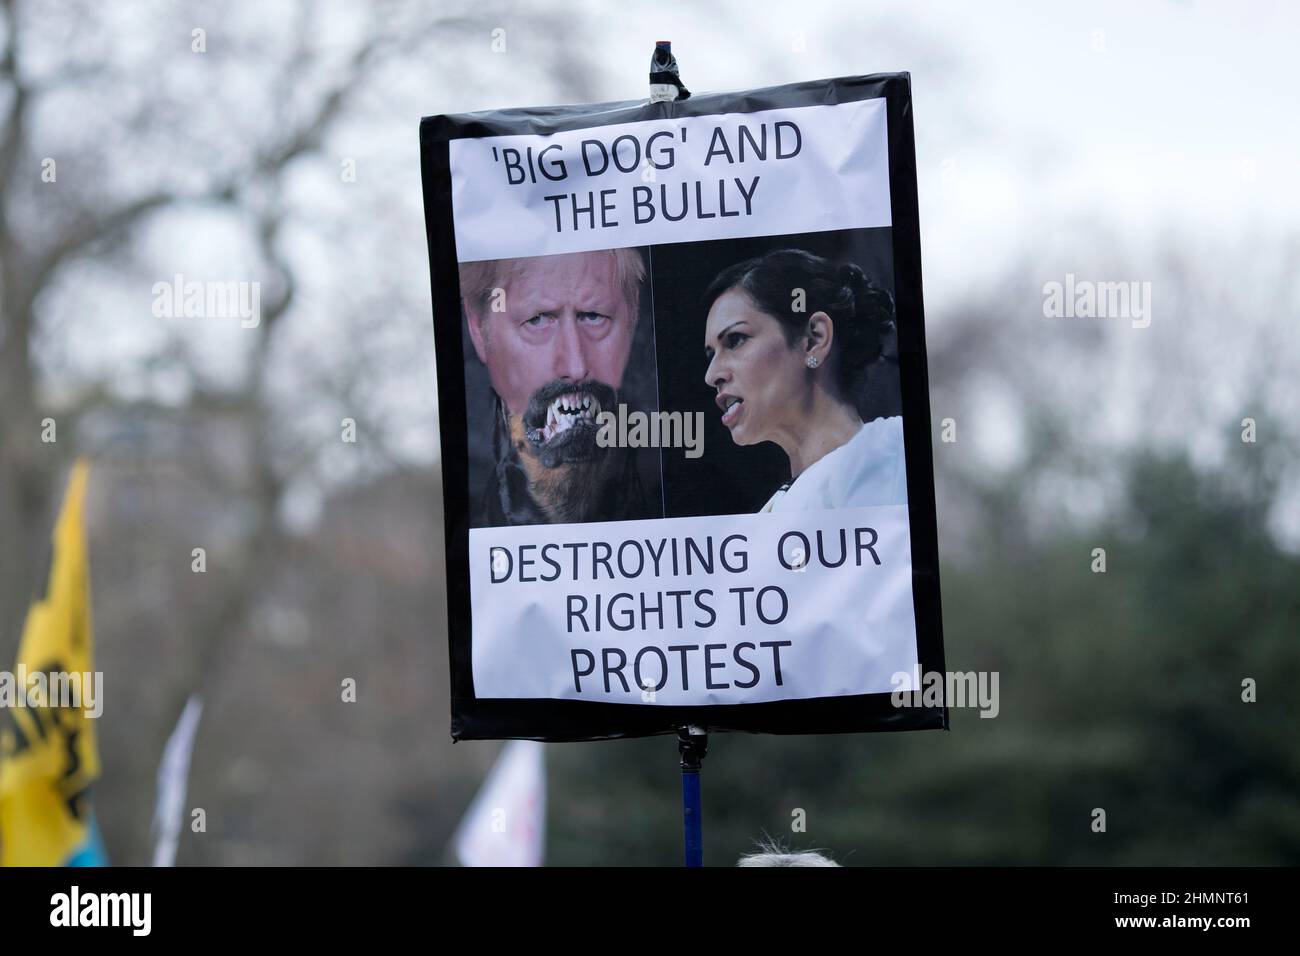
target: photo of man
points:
(555, 335)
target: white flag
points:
(172, 775)
(506, 823)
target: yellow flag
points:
(48, 752)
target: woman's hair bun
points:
(862, 312)
(851, 275)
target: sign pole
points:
(692, 741)
(692, 744)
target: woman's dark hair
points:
(861, 311)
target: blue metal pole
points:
(692, 744)
(694, 824)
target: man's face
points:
(565, 320)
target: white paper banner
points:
(672, 180)
(695, 611)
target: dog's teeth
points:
(566, 410)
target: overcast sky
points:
(1154, 116)
(1118, 141)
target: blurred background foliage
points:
(1119, 691)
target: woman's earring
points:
(811, 361)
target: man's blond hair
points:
(478, 280)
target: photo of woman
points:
(789, 336)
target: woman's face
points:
(760, 379)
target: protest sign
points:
(684, 414)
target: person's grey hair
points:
(773, 854)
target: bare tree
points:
(120, 130)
